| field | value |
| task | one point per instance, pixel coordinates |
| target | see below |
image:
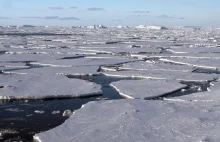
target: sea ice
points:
(139, 120)
(45, 87)
(164, 74)
(146, 89)
(208, 96)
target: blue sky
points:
(110, 12)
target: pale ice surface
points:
(154, 65)
(45, 87)
(151, 27)
(146, 89)
(27, 57)
(59, 70)
(212, 95)
(87, 61)
(164, 74)
(139, 120)
(34, 65)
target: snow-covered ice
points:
(151, 27)
(35, 63)
(51, 71)
(139, 120)
(45, 87)
(146, 89)
(212, 95)
(164, 74)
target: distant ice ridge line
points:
(99, 26)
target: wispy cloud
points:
(51, 17)
(117, 20)
(166, 16)
(73, 7)
(140, 12)
(95, 9)
(141, 15)
(5, 17)
(56, 8)
(170, 17)
(69, 18)
(31, 17)
(38, 17)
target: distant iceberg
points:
(151, 27)
(97, 27)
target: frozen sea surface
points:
(43, 87)
(213, 94)
(146, 89)
(46, 70)
(138, 120)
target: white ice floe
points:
(85, 61)
(148, 48)
(51, 71)
(28, 57)
(213, 94)
(12, 66)
(139, 121)
(153, 65)
(45, 87)
(146, 89)
(203, 63)
(164, 74)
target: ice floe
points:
(164, 74)
(146, 89)
(139, 120)
(45, 87)
(212, 95)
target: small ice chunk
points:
(14, 110)
(67, 113)
(55, 112)
(39, 111)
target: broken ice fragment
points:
(55, 112)
(212, 94)
(39, 111)
(146, 89)
(67, 113)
